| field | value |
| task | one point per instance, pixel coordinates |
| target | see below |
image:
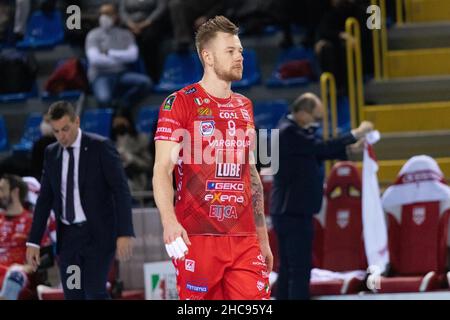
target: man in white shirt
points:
(110, 51)
(83, 181)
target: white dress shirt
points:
(79, 213)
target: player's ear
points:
(207, 57)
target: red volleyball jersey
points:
(213, 170)
(13, 237)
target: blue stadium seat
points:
(4, 142)
(44, 30)
(146, 119)
(70, 95)
(31, 133)
(268, 113)
(97, 121)
(179, 71)
(252, 73)
(290, 54)
(19, 96)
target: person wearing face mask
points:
(110, 50)
(21, 164)
(134, 150)
(298, 187)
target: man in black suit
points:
(298, 188)
(84, 183)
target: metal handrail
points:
(399, 12)
(380, 41)
(355, 72)
(329, 101)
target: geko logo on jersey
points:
(219, 198)
(212, 185)
(207, 128)
(223, 212)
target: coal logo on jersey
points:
(228, 115)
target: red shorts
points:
(223, 268)
(3, 270)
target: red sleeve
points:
(172, 119)
(248, 116)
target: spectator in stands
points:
(21, 164)
(305, 13)
(110, 50)
(149, 21)
(331, 39)
(188, 15)
(22, 11)
(15, 224)
(134, 150)
(298, 188)
(38, 150)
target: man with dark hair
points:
(219, 201)
(84, 183)
(15, 224)
(298, 187)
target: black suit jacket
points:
(297, 187)
(104, 193)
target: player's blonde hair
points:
(209, 29)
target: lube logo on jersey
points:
(207, 128)
(219, 198)
(228, 115)
(212, 185)
(228, 170)
(223, 212)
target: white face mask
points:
(105, 21)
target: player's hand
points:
(364, 128)
(267, 254)
(124, 249)
(357, 147)
(33, 256)
(174, 230)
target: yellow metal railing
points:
(399, 11)
(380, 43)
(329, 101)
(354, 71)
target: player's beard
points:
(5, 202)
(232, 74)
